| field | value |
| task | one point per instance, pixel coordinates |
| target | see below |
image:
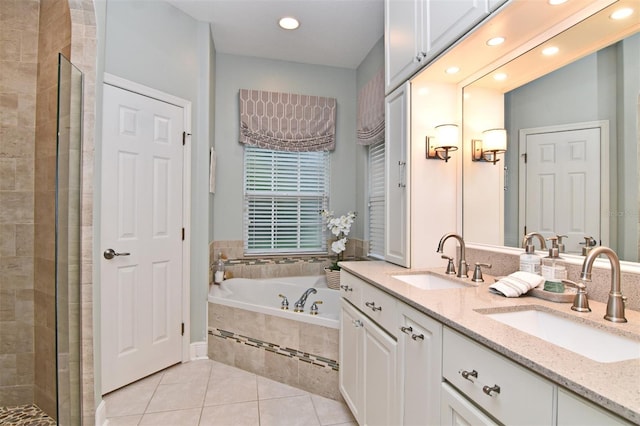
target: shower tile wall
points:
(18, 74)
(54, 36)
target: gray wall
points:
(601, 86)
(172, 53)
(236, 72)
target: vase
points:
(333, 278)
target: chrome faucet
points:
(299, 305)
(463, 268)
(527, 240)
(615, 304)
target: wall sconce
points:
(493, 142)
(445, 141)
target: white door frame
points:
(603, 125)
(186, 194)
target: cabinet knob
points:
(489, 389)
(373, 306)
(466, 374)
(402, 185)
(346, 288)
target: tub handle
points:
(314, 307)
(346, 288)
(285, 303)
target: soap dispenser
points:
(553, 268)
(530, 261)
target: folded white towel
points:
(516, 284)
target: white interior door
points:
(142, 197)
(563, 185)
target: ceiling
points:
(336, 33)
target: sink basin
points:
(594, 343)
(428, 281)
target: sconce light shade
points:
(493, 142)
(445, 141)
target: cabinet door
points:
(380, 377)
(350, 357)
(420, 344)
(449, 20)
(573, 410)
(456, 410)
(400, 41)
(397, 172)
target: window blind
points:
(284, 193)
(376, 200)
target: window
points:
(376, 200)
(283, 195)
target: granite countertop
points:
(614, 386)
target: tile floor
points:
(206, 392)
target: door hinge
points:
(525, 157)
(182, 234)
(182, 329)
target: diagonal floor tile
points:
(331, 412)
(239, 414)
(268, 388)
(172, 418)
(292, 411)
(178, 396)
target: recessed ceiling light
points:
(288, 23)
(551, 50)
(452, 70)
(500, 76)
(556, 2)
(495, 41)
(625, 12)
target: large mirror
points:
(571, 119)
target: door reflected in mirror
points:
(571, 165)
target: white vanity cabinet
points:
(397, 172)
(420, 366)
(576, 411)
(456, 410)
(368, 358)
(508, 392)
(416, 31)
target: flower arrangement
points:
(340, 227)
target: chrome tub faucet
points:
(299, 305)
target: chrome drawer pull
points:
(417, 336)
(373, 306)
(406, 329)
(488, 390)
(346, 288)
(466, 374)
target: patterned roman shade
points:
(287, 122)
(371, 111)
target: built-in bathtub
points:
(248, 329)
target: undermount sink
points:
(594, 343)
(428, 281)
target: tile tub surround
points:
(614, 386)
(598, 289)
(291, 352)
(242, 266)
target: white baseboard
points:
(101, 414)
(198, 351)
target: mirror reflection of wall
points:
(603, 86)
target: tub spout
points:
(299, 305)
(615, 304)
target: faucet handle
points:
(285, 303)
(451, 269)
(314, 307)
(477, 272)
(580, 301)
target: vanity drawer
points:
(380, 307)
(522, 398)
(351, 287)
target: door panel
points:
(142, 196)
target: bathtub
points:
(261, 295)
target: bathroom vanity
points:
(416, 354)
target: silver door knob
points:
(111, 253)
